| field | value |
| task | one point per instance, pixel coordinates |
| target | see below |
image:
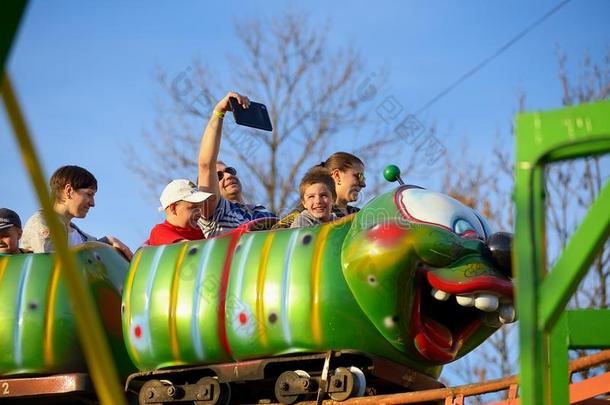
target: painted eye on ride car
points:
(462, 226)
(434, 208)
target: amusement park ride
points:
(360, 310)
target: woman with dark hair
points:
(73, 191)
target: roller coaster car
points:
(415, 277)
(40, 356)
(250, 316)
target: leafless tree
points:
(313, 94)
(571, 188)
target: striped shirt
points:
(229, 215)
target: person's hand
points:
(224, 105)
(123, 248)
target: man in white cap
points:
(182, 202)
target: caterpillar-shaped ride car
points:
(375, 302)
(40, 355)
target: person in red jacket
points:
(183, 203)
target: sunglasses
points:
(230, 170)
(361, 179)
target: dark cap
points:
(9, 218)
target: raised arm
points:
(210, 145)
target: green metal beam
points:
(575, 260)
(566, 133)
(10, 16)
(558, 362)
(542, 138)
(588, 328)
(529, 234)
(586, 148)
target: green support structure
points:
(547, 330)
(10, 16)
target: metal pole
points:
(99, 359)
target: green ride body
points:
(38, 333)
(285, 293)
(352, 284)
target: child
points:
(10, 232)
(317, 192)
(183, 204)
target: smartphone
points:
(255, 116)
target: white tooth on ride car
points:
(507, 314)
(486, 302)
(440, 294)
(465, 300)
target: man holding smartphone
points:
(226, 209)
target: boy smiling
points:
(317, 191)
(183, 204)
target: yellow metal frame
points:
(97, 352)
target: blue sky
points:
(84, 73)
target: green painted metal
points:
(38, 333)
(542, 138)
(10, 17)
(579, 253)
(588, 328)
(360, 283)
(529, 257)
(567, 133)
(558, 356)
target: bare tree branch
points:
(311, 94)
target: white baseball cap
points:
(181, 190)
